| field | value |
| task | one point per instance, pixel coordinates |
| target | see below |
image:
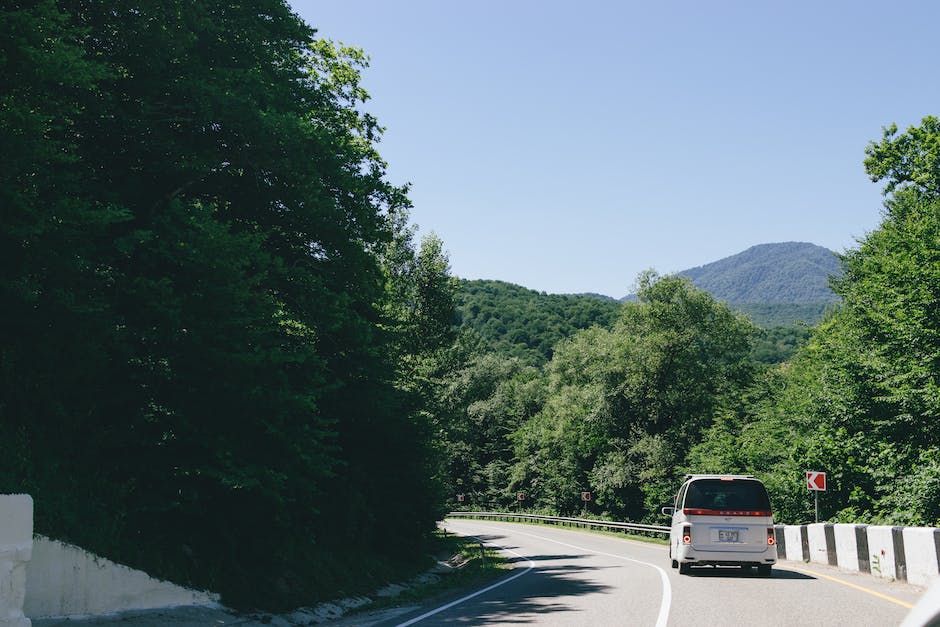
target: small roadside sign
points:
(585, 496)
(460, 498)
(816, 481)
(521, 496)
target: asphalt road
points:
(567, 577)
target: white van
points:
(722, 520)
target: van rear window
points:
(719, 494)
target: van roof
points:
(690, 477)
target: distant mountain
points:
(774, 284)
(792, 273)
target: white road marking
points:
(666, 601)
(664, 604)
(474, 594)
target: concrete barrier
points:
(881, 548)
(846, 547)
(64, 580)
(910, 554)
(922, 554)
(16, 546)
(794, 544)
(820, 545)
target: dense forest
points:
(214, 309)
(528, 324)
(519, 322)
(224, 354)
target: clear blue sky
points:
(568, 146)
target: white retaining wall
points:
(43, 578)
(64, 580)
(16, 546)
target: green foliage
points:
(775, 315)
(525, 323)
(624, 404)
(910, 160)
(859, 400)
(201, 355)
(778, 344)
(484, 399)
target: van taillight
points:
(771, 540)
(696, 511)
(687, 535)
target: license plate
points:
(728, 535)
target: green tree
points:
(860, 399)
(197, 363)
(910, 160)
(484, 398)
(528, 324)
(624, 405)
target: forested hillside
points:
(775, 285)
(519, 322)
(793, 273)
(776, 315)
(525, 323)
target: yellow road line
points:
(852, 585)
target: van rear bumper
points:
(690, 555)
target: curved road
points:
(568, 577)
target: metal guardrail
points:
(571, 522)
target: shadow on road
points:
(544, 558)
(539, 592)
(736, 572)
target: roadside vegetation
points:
(681, 383)
(226, 360)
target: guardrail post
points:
(781, 537)
(804, 540)
(900, 559)
(861, 544)
(830, 534)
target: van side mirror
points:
(669, 511)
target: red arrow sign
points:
(521, 496)
(816, 481)
(585, 496)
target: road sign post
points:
(585, 499)
(816, 482)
